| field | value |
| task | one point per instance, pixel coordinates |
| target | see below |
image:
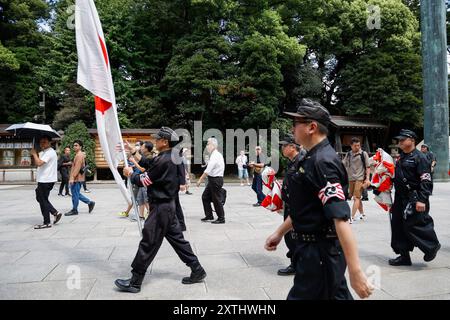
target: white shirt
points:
(216, 165)
(48, 172)
(240, 161)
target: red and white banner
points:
(94, 74)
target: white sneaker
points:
(358, 216)
(350, 220)
(242, 184)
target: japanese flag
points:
(94, 74)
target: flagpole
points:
(130, 187)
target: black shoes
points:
(57, 216)
(71, 213)
(189, 193)
(289, 271)
(430, 256)
(403, 260)
(197, 275)
(91, 206)
(257, 204)
(132, 285)
(218, 221)
(206, 219)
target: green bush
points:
(79, 131)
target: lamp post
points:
(42, 103)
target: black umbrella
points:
(32, 130)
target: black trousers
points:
(179, 213)
(42, 193)
(319, 272)
(416, 231)
(290, 243)
(162, 223)
(64, 183)
(213, 193)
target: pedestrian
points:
(213, 190)
(411, 224)
(46, 176)
(318, 215)
(258, 167)
(181, 170)
(294, 153)
(77, 176)
(138, 194)
(356, 163)
(161, 182)
(242, 164)
(187, 166)
(64, 164)
(431, 159)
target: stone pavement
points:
(42, 264)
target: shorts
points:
(242, 173)
(142, 197)
(356, 188)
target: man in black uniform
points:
(318, 214)
(294, 153)
(411, 224)
(161, 180)
(64, 165)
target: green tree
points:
(79, 131)
(20, 44)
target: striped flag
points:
(94, 74)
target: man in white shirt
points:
(213, 190)
(242, 164)
(46, 176)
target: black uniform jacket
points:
(318, 190)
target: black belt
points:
(313, 237)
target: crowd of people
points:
(316, 190)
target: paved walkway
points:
(41, 264)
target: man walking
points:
(77, 178)
(46, 176)
(318, 214)
(294, 153)
(64, 165)
(213, 190)
(162, 186)
(258, 167)
(242, 164)
(411, 224)
(356, 162)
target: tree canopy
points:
(229, 63)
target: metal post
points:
(435, 83)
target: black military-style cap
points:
(405, 133)
(311, 110)
(167, 134)
(288, 139)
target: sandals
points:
(42, 226)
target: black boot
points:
(403, 260)
(132, 285)
(197, 275)
(431, 255)
(287, 271)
